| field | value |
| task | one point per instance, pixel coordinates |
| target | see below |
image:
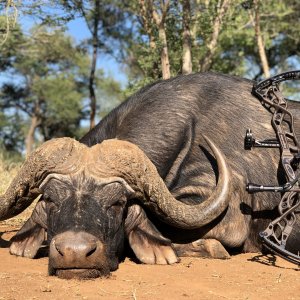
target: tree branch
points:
(164, 9)
(255, 18)
(205, 64)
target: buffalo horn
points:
(187, 216)
(24, 188)
(126, 160)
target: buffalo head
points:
(92, 201)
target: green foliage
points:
(11, 132)
(108, 17)
(109, 93)
(62, 110)
(46, 51)
(50, 71)
(236, 51)
(235, 41)
(11, 46)
(52, 74)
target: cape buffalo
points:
(165, 173)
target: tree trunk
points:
(164, 55)
(195, 24)
(91, 88)
(146, 13)
(187, 65)
(160, 22)
(35, 122)
(205, 63)
(259, 40)
(29, 141)
(93, 100)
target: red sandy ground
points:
(245, 276)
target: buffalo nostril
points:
(91, 250)
(71, 253)
(71, 249)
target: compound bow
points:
(275, 236)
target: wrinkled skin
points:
(97, 215)
(80, 199)
(87, 221)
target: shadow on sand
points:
(273, 260)
(3, 242)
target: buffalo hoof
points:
(209, 248)
(151, 251)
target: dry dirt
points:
(244, 276)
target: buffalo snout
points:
(77, 255)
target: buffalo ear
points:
(149, 246)
(30, 237)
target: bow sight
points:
(275, 236)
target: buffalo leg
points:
(209, 248)
(147, 243)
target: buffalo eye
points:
(51, 197)
(49, 200)
(118, 203)
(117, 206)
(47, 197)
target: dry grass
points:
(8, 170)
